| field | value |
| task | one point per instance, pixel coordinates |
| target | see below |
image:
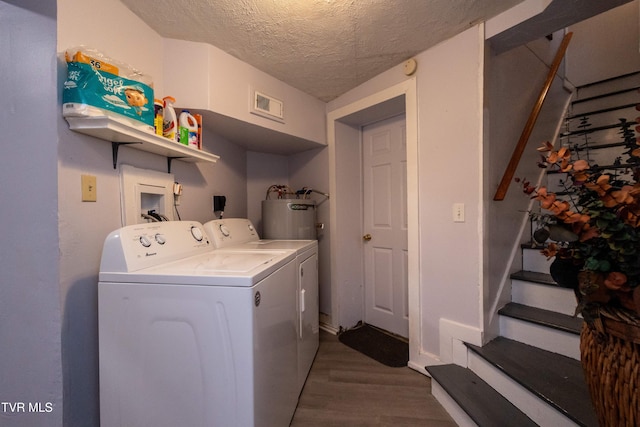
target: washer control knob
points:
(224, 230)
(251, 228)
(144, 241)
(160, 239)
(196, 233)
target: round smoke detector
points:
(410, 66)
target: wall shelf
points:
(110, 129)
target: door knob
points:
(366, 237)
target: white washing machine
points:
(189, 336)
(239, 234)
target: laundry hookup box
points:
(99, 86)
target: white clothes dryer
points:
(189, 336)
(240, 234)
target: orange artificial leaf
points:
(579, 176)
(615, 280)
(548, 201)
(564, 153)
(608, 201)
(588, 232)
(558, 207)
(546, 146)
(550, 251)
(623, 195)
(566, 165)
(580, 165)
(601, 186)
(569, 217)
(635, 190)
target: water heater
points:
(289, 219)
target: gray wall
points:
(514, 81)
(30, 316)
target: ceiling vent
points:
(267, 106)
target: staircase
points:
(531, 374)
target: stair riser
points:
(602, 120)
(535, 408)
(608, 102)
(560, 300)
(546, 338)
(451, 406)
(608, 87)
(533, 260)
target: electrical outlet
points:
(458, 212)
(89, 188)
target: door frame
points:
(344, 138)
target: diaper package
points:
(99, 86)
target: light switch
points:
(458, 212)
(89, 188)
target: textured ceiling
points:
(322, 47)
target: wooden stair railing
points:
(528, 127)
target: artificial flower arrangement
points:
(596, 222)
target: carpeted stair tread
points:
(484, 405)
(554, 378)
(551, 319)
(377, 344)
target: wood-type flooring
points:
(348, 389)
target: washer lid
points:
(215, 268)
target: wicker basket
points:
(610, 353)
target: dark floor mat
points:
(378, 345)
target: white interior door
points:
(385, 225)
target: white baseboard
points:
(453, 335)
(328, 328)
